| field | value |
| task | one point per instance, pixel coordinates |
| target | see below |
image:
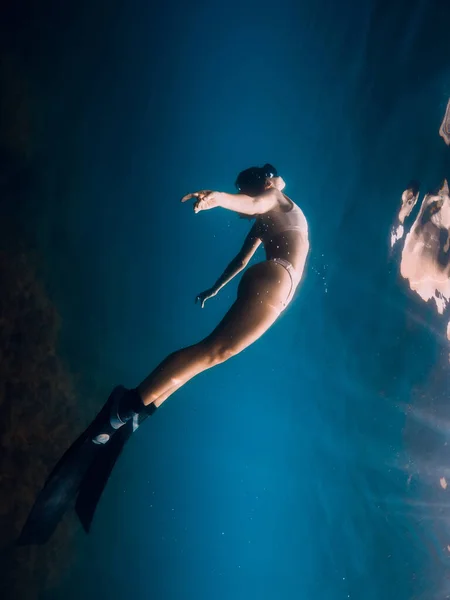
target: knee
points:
(219, 351)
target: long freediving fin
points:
(97, 476)
(84, 469)
(58, 492)
(65, 480)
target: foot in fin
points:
(97, 477)
(66, 478)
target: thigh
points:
(262, 293)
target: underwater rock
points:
(38, 418)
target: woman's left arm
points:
(239, 262)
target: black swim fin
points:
(66, 478)
(58, 492)
(97, 476)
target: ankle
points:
(130, 405)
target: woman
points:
(264, 292)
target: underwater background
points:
(296, 469)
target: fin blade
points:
(97, 476)
(57, 494)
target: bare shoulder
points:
(281, 203)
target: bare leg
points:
(261, 294)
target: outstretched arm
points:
(239, 262)
(248, 205)
(240, 203)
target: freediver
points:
(264, 292)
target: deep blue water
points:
(276, 475)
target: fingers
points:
(190, 196)
(201, 194)
(198, 205)
(205, 201)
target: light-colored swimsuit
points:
(273, 223)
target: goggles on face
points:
(255, 175)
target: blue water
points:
(278, 474)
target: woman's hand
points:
(206, 199)
(204, 296)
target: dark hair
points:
(255, 176)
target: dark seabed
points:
(309, 466)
